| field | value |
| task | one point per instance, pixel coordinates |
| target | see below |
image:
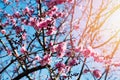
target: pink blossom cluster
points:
(3, 31)
(72, 62)
(5, 1)
(44, 25)
(45, 60)
(51, 30)
(59, 49)
(18, 29)
(56, 2)
(17, 14)
(54, 13)
(23, 50)
(96, 72)
(28, 11)
(62, 68)
(89, 52)
(9, 51)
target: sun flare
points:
(113, 24)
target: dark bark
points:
(28, 71)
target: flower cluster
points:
(39, 38)
(46, 60)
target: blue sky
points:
(112, 24)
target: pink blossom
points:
(64, 75)
(107, 57)
(68, 54)
(17, 14)
(85, 71)
(17, 0)
(27, 11)
(58, 15)
(54, 9)
(107, 62)
(53, 48)
(5, 24)
(50, 13)
(77, 49)
(60, 1)
(76, 27)
(13, 21)
(42, 24)
(9, 51)
(61, 67)
(97, 73)
(32, 11)
(116, 64)
(51, 31)
(37, 58)
(93, 54)
(61, 47)
(5, 1)
(24, 21)
(32, 21)
(52, 3)
(98, 59)
(23, 49)
(18, 29)
(67, 68)
(72, 62)
(86, 53)
(3, 31)
(48, 20)
(69, 0)
(60, 55)
(50, 44)
(46, 60)
(24, 36)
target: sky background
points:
(108, 29)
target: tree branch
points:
(26, 72)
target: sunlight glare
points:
(113, 23)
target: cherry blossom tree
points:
(57, 40)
